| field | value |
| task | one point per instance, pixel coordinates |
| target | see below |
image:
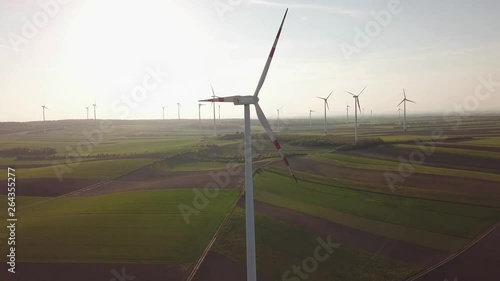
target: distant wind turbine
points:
(347, 108)
(404, 106)
(87, 112)
(199, 117)
(94, 105)
(310, 116)
(179, 111)
(399, 113)
(43, 112)
(325, 100)
(163, 111)
(213, 106)
(278, 110)
(356, 107)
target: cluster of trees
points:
(26, 151)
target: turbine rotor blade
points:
(274, 140)
(401, 102)
(327, 105)
(270, 58)
(362, 90)
(410, 101)
(223, 99)
(359, 106)
(329, 95)
(350, 93)
(404, 93)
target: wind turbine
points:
(326, 105)
(404, 106)
(347, 108)
(213, 106)
(179, 111)
(356, 107)
(199, 117)
(278, 110)
(87, 112)
(163, 111)
(310, 118)
(399, 112)
(94, 105)
(43, 111)
(246, 101)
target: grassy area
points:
(140, 227)
(468, 152)
(386, 165)
(280, 246)
(414, 220)
(100, 169)
(495, 141)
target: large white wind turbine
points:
(43, 112)
(356, 107)
(404, 106)
(325, 101)
(310, 116)
(246, 101)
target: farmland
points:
(118, 201)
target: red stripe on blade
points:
(286, 161)
(272, 52)
(276, 144)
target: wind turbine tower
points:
(325, 104)
(404, 106)
(247, 101)
(356, 107)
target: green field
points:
(139, 227)
(413, 220)
(280, 245)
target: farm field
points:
(122, 202)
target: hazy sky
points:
(78, 52)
